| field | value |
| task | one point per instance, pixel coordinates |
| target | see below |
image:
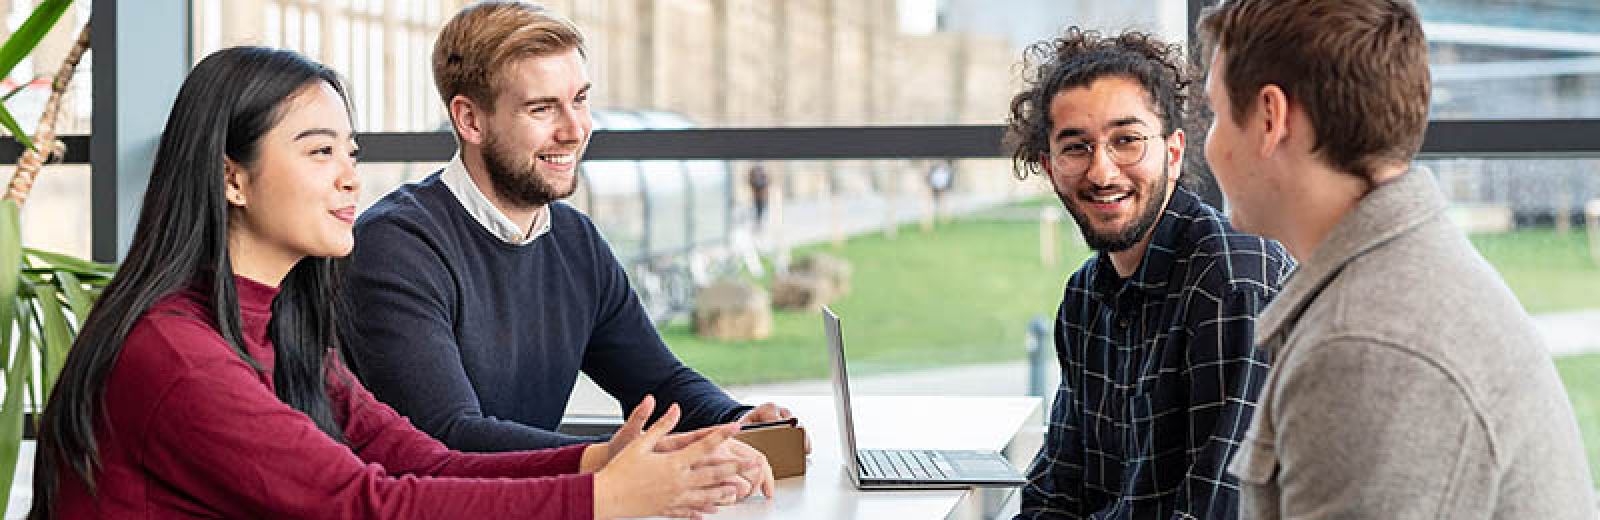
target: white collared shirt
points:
(477, 204)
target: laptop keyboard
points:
(903, 464)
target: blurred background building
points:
(673, 64)
(752, 63)
(1523, 59)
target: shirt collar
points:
(1388, 211)
(477, 204)
(254, 297)
(255, 310)
(1156, 267)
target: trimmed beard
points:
(520, 183)
(1118, 241)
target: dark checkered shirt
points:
(1159, 374)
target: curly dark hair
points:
(1077, 58)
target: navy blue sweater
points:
(479, 342)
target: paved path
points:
(1569, 333)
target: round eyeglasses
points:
(1125, 150)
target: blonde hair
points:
(481, 41)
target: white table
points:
(825, 491)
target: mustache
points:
(1108, 189)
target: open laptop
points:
(907, 469)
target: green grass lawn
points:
(1583, 387)
(964, 293)
(1547, 271)
(960, 294)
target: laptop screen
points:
(841, 388)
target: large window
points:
(1514, 59)
(56, 216)
(1537, 221)
(937, 304)
(381, 48)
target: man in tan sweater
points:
(1407, 381)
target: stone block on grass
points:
(801, 291)
(732, 310)
(831, 269)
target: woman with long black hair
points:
(206, 381)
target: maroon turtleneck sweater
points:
(191, 431)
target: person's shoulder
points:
(422, 200)
(1079, 293)
(1084, 275)
(1446, 282)
(410, 220)
(568, 223)
(1239, 262)
(174, 337)
(1220, 256)
(564, 213)
(564, 210)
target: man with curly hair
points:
(1154, 332)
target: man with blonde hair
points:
(481, 295)
(1407, 382)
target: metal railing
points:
(1504, 138)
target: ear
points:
(1175, 147)
(1047, 166)
(1272, 112)
(234, 182)
(468, 118)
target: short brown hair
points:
(1359, 68)
(1078, 58)
(477, 45)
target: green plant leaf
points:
(28, 341)
(20, 45)
(22, 316)
(11, 414)
(55, 332)
(78, 299)
(79, 266)
(10, 123)
(32, 31)
(25, 337)
(10, 270)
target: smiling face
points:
(298, 198)
(539, 128)
(1115, 201)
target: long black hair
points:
(227, 103)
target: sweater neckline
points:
(254, 297)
